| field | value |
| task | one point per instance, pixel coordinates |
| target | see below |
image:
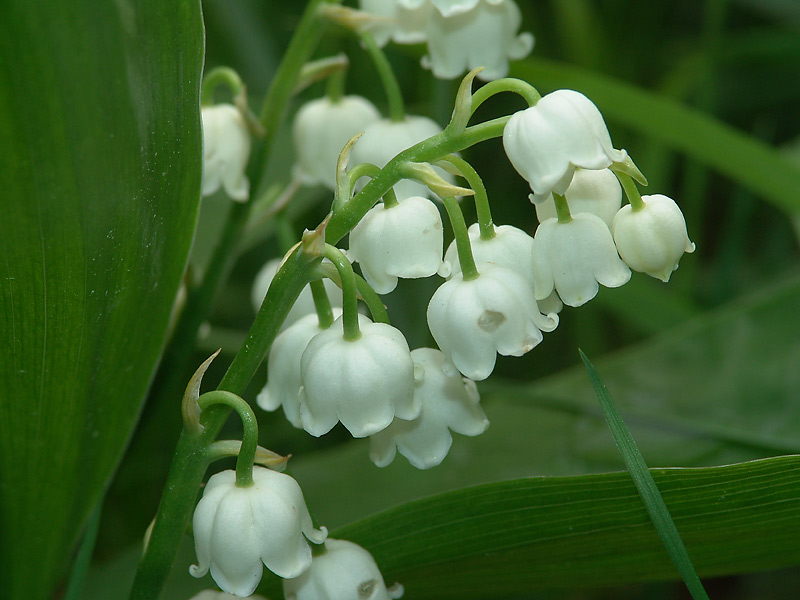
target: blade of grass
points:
(646, 486)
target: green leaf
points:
(513, 537)
(99, 125)
(753, 164)
(645, 485)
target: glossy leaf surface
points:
(99, 125)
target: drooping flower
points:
(283, 368)
(652, 239)
(384, 139)
(473, 320)
(304, 305)
(321, 129)
(574, 257)
(449, 402)
(561, 132)
(402, 21)
(461, 34)
(480, 33)
(363, 383)
(217, 595)
(404, 240)
(226, 150)
(597, 192)
(345, 571)
(509, 248)
(238, 528)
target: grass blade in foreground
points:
(646, 486)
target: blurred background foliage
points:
(704, 367)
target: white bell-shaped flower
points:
(402, 21)
(404, 240)
(321, 129)
(597, 192)
(226, 150)
(304, 305)
(573, 257)
(238, 528)
(482, 33)
(509, 248)
(283, 367)
(474, 320)
(549, 140)
(652, 239)
(385, 139)
(363, 383)
(449, 402)
(217, 595)
(345, 571)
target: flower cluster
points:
(460, 35)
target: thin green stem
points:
(373, 301)
(247, 452)
(482, 207)
(352, 331)
(370, 170)
(562, 209)
(335, 86)
(322, 304)
(631, 191)
(394, 96)
(465, 258)
(216, 77)
(507, 84)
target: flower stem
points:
(322, 304)
(334, 88)
(247, 452)
(562, 209)
(507, 84)
(370, 170)
(631, 191)
(352, 331)
(220, 76)
(482, 207)
(465, 258)
(397, 111)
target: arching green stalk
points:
(562, 209)
(468, 269)
(247, 453)
(631, 191)
(507, 84)
(220, 76)
(482, 207)
(394, 96)
(350, 326)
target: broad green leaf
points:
(101, 166)
(719, 389)
(512, 537)
(703, 138)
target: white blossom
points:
(448, 400)
(573, 257)
(345, 571)
(217, 595)
(363, 383)
(226, 150)
(238, 528)
(404, 240)
(283, 367)
(321, 129)
(653, 238)
(304, 305)
(597, 192)
(473, 320)
(510, 248)
(402, 21)
(384, 139)
(483, 33)
(548, 141)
